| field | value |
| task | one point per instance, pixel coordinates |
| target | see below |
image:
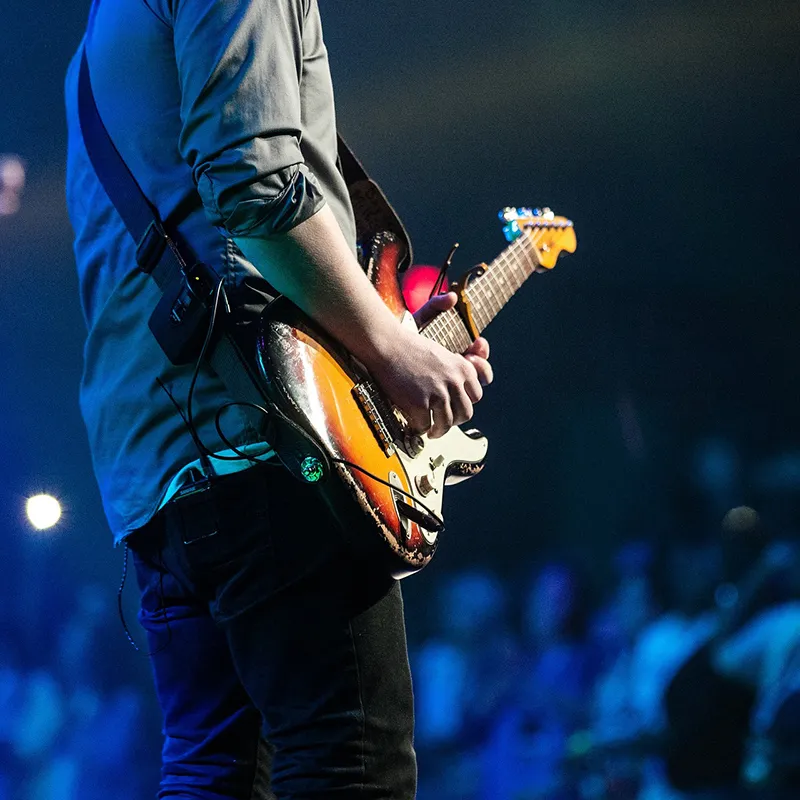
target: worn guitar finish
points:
(324, 390)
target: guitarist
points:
(258, 619)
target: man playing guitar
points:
(261, 624)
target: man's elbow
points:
(259, 205)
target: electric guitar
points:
(387, 481)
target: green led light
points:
(312, 469)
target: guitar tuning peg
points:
(511, 231)
(508, 214)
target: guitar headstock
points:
(550, 235)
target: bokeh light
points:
(12, 182)
(43, 511)
(418, 282)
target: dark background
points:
(669, 134)
(667, 131)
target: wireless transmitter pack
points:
(180, 321)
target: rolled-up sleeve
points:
(239, 65)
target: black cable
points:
(192, 432)
(410, 496)
(205, 453)
(439, 284)
(122, 613)
(239, 453)
(342, 461)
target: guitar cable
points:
(238, 454)
(344, 462)
(121, 612)
(206, 454)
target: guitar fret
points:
(534, 262)
(479, 314)
(490, 287)
(491, 296)
(504, 276)
(501, 279)
(448, 330)
(519, 266)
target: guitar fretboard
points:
(489, 292)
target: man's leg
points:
(212, 746)
(327, 664)
(316, 636)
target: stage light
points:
(417, 284)
(43, 511)
(12, 182)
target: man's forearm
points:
(314, 267)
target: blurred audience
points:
(463, 673)
(699, 631)
(524, 752)
(69, 725)
(670, 672)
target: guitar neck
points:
(489, 292)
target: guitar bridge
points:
(365, 397)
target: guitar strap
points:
(181, 318)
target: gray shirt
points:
(231, 100)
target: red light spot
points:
(418, 281)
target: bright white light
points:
(12, 182)
(43, 511)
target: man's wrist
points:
(378, 343)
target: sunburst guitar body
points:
(386, 483)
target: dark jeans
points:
(271, 629)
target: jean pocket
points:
(220, 524)
(226, 541)
(244, 582)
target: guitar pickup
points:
(366, 402)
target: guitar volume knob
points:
(413, 444)
(424, 485)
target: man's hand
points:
(477, 353)
(315, 268)
(433, 387)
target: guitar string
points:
(486, 289)
(492, 285)
(446, 326)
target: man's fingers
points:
(483, 368)
(434, 306)
(441, 302)
(442, 418)
(419, 420)
(473, 388)
(480, 347)
(462, 407)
